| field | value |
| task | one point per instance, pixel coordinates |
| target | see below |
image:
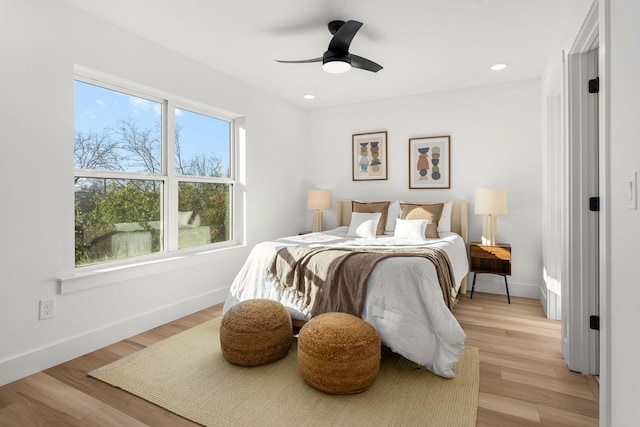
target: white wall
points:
(495, 142)
(40, 41)
(624, 224)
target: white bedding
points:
(404, 301)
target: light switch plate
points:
(632, 190)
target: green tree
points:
(103, 206)
(210, 202)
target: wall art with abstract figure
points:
(429, 162)
(369, 156)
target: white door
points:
(580, 286)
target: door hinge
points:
(594, 204)
(594, 85)
(594, 323)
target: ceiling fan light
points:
(336, 66)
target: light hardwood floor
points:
(523, 378)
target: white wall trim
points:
(45, 357)
(552, 299)
(551, 303)
(102, 275)
(542, 296)
(552, 226)
(579, 342)
(605, 209)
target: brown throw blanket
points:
(335, 279)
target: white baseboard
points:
(550, 293)
(551, 303)
(494, 284)
(542, 296)
(554, 306)
(43, 358)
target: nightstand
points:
(493, 259)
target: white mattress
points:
(404, 300)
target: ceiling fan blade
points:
(364, 63)
(342, 38)
(302, 61)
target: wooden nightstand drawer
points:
(490, 259)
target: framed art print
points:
(369, 156)
(429, 162)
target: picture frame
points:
(369, 156)
(430, 162)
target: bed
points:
(404, 301)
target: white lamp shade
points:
(319, 200)
(491, 201)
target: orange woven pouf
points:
(338, 353)
(256, 332)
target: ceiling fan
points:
(337, 58)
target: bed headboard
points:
(459, 216)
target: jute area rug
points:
(186, 374)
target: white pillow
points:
(184, 217)
(444, 225)
(411, 229)
(364, 224)
(392, 214)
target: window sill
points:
(97, 276)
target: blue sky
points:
(97, 108)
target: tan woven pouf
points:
(338, 353)
(256, 332)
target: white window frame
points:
(168, 177)
(231, 180)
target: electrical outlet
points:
(47, 308)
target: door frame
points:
(579, 342)
(577, 299)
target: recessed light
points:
(498, 67)
(309, 96)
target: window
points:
(140, 189)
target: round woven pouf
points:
(338, 353)
(256, 332)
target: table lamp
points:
(318, 201)
(490, 202)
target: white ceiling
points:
(423, 45)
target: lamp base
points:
(317, 221)
(489, 230)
